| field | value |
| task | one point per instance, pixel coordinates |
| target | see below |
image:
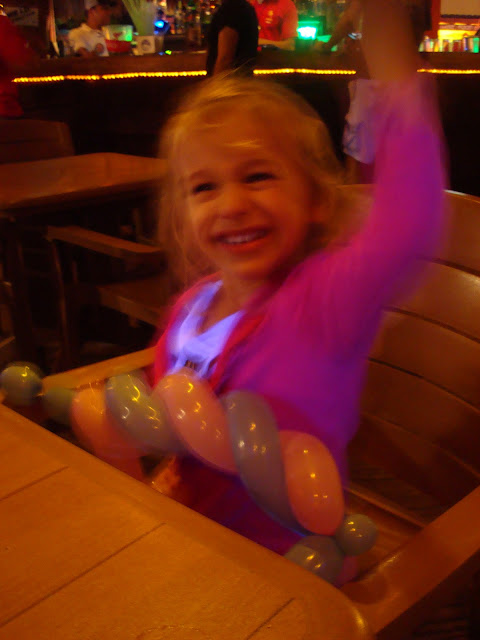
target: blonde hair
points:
(285, 116)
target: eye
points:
(202, 187)
(259, 176)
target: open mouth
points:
(242, 237)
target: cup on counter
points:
(148, 44)
(428, 44)
(118, 37)
(473, 44)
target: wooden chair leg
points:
(16, 283)
(474, 620)
(69, 340)
(8, 351)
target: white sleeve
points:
(76, 40)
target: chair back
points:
(421, 405)
(24, 140)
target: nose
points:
(233, 200)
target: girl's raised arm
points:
(406, 218)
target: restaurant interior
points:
(92, 546)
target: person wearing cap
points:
(278, 22)
(88, 40)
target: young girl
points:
(293, 304)
(288, 313)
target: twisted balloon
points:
(289, 474)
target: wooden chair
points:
(7, 340)
(415, 463)
(24, 140)
(21, 141)
(141, 289)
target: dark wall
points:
(459, 97)
(126, 115)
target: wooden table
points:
(27, 188)
(89, 553)
(34, 192)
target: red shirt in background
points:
(277, 19)
(14, 50)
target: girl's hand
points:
(388, 40)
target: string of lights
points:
(183, 74)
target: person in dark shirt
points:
(232, 39)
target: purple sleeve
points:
(405, 221)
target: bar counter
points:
(184, 61)
(194, 61)
(119, 103)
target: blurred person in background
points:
(278, 22)
(349, 24)
(232, 38)
(16, 57)
(88, 40)
(119, 13)
(360, 132)
(331, 15)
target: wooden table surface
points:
(87, 552)
(56, 183)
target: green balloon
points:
(57, 403)
(31, 365)
(21, 384)
(357, 534)
(318, 554)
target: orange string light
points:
(183, 74)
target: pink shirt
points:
(303, 344)
(277, 19)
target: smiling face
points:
(249, 205)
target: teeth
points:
(244, 237)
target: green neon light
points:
(307, 32)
